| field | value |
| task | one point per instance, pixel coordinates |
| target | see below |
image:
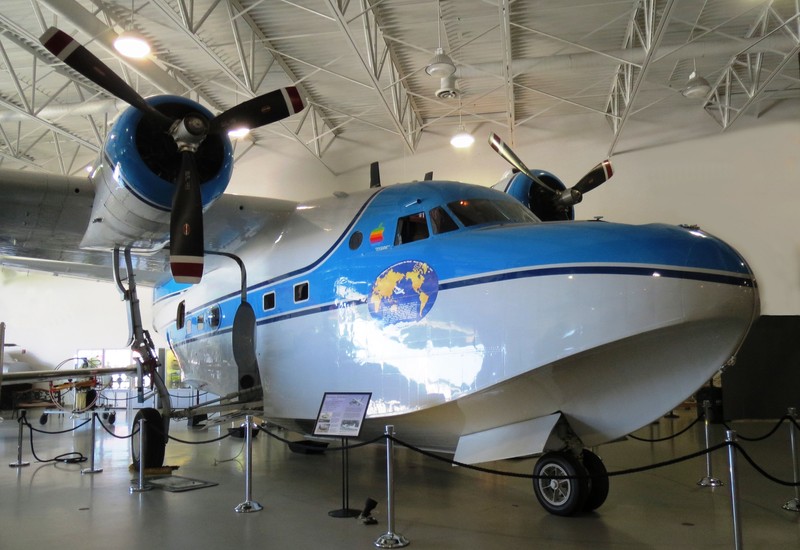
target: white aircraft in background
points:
(484, 322)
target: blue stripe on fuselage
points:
(472, 256)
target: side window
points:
(213, 317)
(301, 292)
(441, 222)
(269, 301)
(411, 228)
(180, 316)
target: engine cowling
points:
(134, 179)
(538, 200)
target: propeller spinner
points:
(566, 198)
(186, 219)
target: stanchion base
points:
(391, 540)
(19, 464)
(710, 482)
(344, 513)
(91, 470)
(137, 489)
(248, 506)
(793, 505)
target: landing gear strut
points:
(156, 429)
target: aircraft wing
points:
(43, 218)
(46, 375)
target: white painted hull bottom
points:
(640, 346)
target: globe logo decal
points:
(405, 292)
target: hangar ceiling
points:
(361, 65)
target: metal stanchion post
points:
(793, 504)
(248, 505)
(91, 469)
(390, 539)
(20, 463)
(141, 486)
(730, 437)
(709, 480)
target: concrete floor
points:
(53, 505)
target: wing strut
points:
(139, 340)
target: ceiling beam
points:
(373, 72)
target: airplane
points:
(484, 322)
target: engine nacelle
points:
(529, 193)
(134, 179)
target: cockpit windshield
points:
(485, 211)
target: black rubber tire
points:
(560, 497)
(598, 483)
(154, 439)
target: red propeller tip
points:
(608, 169)
(294, 102)
(59, 43)
(186, 269)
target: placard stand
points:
(345, 511)
(342, 415)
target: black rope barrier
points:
(187, 442)
(315, 448)
(765, 436)
(80, 458)
(667, 438)
(134, 431)
(72, 457)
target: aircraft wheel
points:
(153, 439)
(598, 484)
(112, 417)
(565, 496)
(43, 419)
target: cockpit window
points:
(411, 228)
(483, 211)
(441, 222)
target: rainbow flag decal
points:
(376, 235)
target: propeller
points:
(561, 199)
(186, 220)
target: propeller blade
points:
(186, 224)
(505, 151)
(374, 175)
(596, 176)
(71, 52)
(265, 109)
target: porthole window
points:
(356, 239)
(269, 301)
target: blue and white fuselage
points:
(468, 319)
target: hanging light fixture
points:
(697, 87)
(461, 139)
(130, 43)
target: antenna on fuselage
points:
(374, 175)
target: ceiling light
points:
(697, 87)
(237, 133)
(462, 139)
(440, 65)
(132, 44)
